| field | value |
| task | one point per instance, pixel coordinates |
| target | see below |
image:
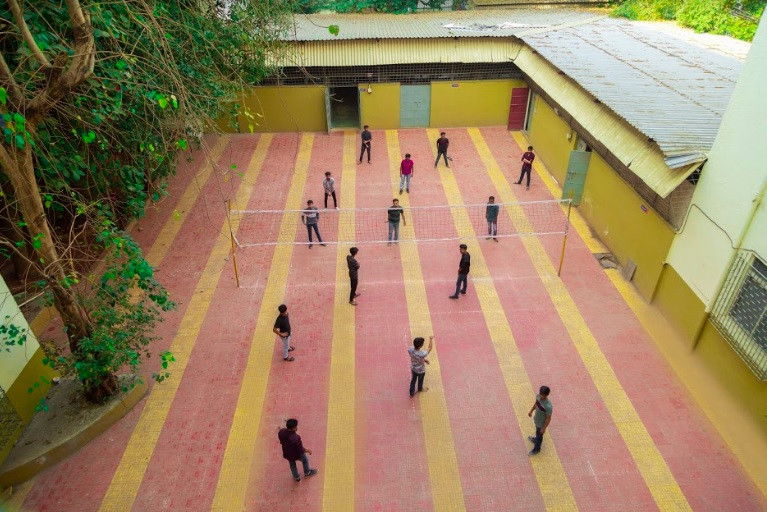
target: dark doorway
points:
(344, 108)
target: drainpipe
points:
(707, 314)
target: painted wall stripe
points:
(447, 493)
(658, 477)
(234, 476)
(121, 493)
(339, 467)
(547, 467)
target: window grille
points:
(352, 76)
(740, 311)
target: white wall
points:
(733, 177)
(13, 361)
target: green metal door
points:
(414, 105)
(576, 175)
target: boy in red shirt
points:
(527, 165)
(405, 173)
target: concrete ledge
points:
(68, 425)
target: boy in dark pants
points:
(491, 215)
(354, 267)
(442, 144)
(527, 165)
(293, 449)
(418, 363)
(310, 216)
(329, 185)
(365, 137)
(463, 272)
(543, 410)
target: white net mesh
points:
(371, 225)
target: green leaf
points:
(182, 144)
(233, 167)
(19, 140)
(3, 95)
(121, 64)
(89, 136)
(334, 29)
(163, 102)
(174, 101)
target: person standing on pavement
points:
(329, 185)
(491, 215)
(354, 266)
(293, 449)
(395, 212)
(442, 144)
(310, 216)
(463, 272)
(405, 173)
(365, 137)
(282, 329)
(543, 410)
(418, 363)
(527, 165)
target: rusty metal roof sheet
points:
(669, 90)
(673, 92)
(433, 24)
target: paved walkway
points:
(625, 434)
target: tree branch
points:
(7, 79)
(27, 35)
(80, 68)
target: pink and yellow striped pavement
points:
(625, 436)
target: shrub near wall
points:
(714, 16)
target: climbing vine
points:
(99, 100)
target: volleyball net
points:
(416, 223)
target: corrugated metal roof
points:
(435, 24)
(624, 141)
(671, 91)
(400, 51)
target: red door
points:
(518, 108)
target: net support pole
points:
(564, 238)
(234, 245)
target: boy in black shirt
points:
(463, 272)
(282, 329)
(442, 144)
(366, 137)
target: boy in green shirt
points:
(491, 214)
(543, 410)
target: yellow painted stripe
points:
(19, 496)
(740, 436)
(171, 227)
(338, 494)
(447, 494)
(235, 472)
(130, 472)
(659, 479)
(549, 472)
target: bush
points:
(713, 16)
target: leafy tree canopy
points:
(99, 99)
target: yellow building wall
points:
(679, 304)
(287, 108)
(472, 103)
(631, 229)
(685, 311)
(380, 108)
(548, 134)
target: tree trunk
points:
(27, 193)
(99, 392)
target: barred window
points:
(740, 311)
